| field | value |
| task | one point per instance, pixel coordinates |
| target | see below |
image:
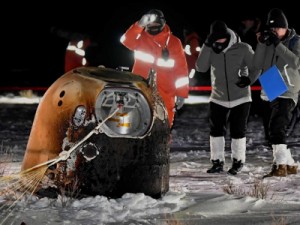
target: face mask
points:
(154, 30)
(219, 47)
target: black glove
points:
(209, 40)
(243, 82)
(264, 36)
(273, 39)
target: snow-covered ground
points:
(195, 197)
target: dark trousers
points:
(237, 117)
(295, 118)
(276, 118)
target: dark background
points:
(34, 55)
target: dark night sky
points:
(31, 49)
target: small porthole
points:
(62, 94)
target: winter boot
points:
(217, 145)
(238, 149)
(217, 166)
(291, 166)
(292, 169)
(277, 171)
(236, 167)
(279, 168)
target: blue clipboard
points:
(272, 83)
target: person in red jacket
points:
(155, 47)
(191, 49)
(75, 54)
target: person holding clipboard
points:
(279, 46)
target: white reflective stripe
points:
(80, 52)
(123, 38)
(83, 62)
(144, 56)
(80, 44)
(187, 50)
(287, 76)
(180, 82)
(166, 63)
(71, 47)
(192, 73)
(198, 48)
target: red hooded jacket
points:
(75, 54)
(193, 41)
(172, 75)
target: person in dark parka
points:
(279, 45)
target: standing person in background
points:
(278, 46)
(191, 49)
(230, 62)
(75, 55)
(155, 47)
(250, 25)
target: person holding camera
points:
(155, 47)
(278, 45)
(230, 64)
